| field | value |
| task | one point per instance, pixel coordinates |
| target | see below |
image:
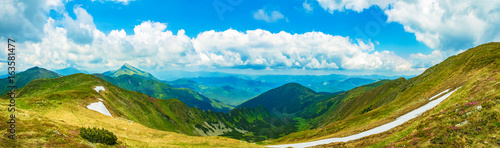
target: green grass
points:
(47, 95)
(453, 72)
(442, 126)
(161, 90)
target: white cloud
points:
(124, 2)
(311, 50)
(24, 19)
(153, 46)
(80, 29)
(440, 24)
(356, 5)
(308, 7)
(422, 61)
(448, 25)
(264, 16)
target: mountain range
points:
(52, 107)
(69, 71)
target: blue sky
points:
(195, 16)
(394, 37)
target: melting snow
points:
(99, 107)
(438, 94)
(380, 129)
(98, 88)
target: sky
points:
(357, 37)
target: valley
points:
(453, 103)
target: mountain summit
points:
(27, 76)
(289, 98)
(69, 71)
(127, 69)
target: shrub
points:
(97, 135)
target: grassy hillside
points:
(27, 76)
(324, 112)
(53, 117)
(73, 93)
(287, 99)
(473, 69)
(69, 71)
(161, 90)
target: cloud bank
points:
(77, 42)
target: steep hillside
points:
(161, 90)
(127, 69)
(382, 93)
(27, 76)
(73, 93)
(289, 98)
(49, 113)
(472, 69)
(321, 113)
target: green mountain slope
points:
(472, 69)
(69, 71)
(27, 76)
(161, 90)
(127, 69)
(289, 98)
(226, 94)
(75, 92)
(230, 90)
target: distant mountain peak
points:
(288, 98)
(128, 66)
(34, 68)
(128, 69)
(69, 71)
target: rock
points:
(479, 108)
(462, 123)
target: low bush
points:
(97, 135)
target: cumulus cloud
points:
(439, 24)
(311, 50)
(448, 25)
(264, 16)
(80, 29)
(157, 48)
(355, 5)
(23, 19)
(308, 7)
(124, 2)
(422, 61)
(153, 46)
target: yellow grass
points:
(129, 133)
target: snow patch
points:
(98, 88)
(376, 130)
(438, 94)
(100, 99)
(99, 107)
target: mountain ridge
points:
(127, 69)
